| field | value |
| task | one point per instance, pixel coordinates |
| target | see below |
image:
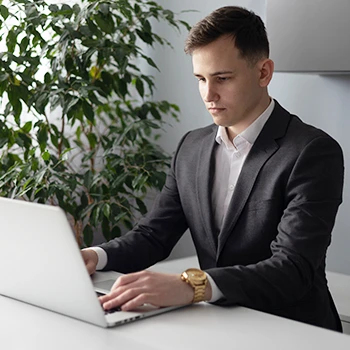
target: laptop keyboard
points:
(110, 311)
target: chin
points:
(219, 122)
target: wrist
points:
(198, 281)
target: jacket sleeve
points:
(153, 238)
(312, 196)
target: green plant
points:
(78, 123)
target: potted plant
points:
(78, 123)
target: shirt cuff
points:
(216, 292)
(102, 257)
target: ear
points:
(265, 67)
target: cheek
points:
(201, 90)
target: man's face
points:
(230, 88)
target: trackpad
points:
(104, 286)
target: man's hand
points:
(90, 259)
(135, 289)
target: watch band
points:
(198, 280)
(199, 293)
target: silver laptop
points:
(41, 265)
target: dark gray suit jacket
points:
(270, 252)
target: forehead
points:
(220, 54)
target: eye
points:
(201, 79)
(222, 79)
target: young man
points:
(259, 191)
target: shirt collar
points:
(251, 133)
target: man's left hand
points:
(146, 287)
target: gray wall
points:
(323, 101)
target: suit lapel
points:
(264, 147)
(204, 185)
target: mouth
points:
(215, 109)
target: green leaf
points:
(24, 44)
(147, 26)
(76, 9)
(94, 29)
(119, 181)
(120, 216)
(144, 36)
(139, 87)
(88, 177)
(105, 23)
(95, 215)
(92, 140)
(155, 113)
(106, 210)
(142, 206)
(27, 127)
(15, 102)
(137, 9)
(4, 11)
(47, 78)
(41, 102)
(115, 232)
(4, 77)
(137, 180)
(46, 155)
(53, 8)
(84, 200)
(69, 64)
(66, 9)
(54, 140)
(122, 88)
(42, 137)
(151, 63)
(88, 235)
(88, 111)
(107, 78)
(11, 40)
(104, 8)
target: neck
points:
(251, 116)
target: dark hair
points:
(245, 27)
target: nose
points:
(209, 93)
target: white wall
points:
(323, 101)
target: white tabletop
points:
(201, 326)
(339, 285)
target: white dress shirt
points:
(229, 160)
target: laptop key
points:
(111, 311)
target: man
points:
(259, 191)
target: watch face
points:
(196, 274)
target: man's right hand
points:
(90, 259)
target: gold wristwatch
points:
(197, 279)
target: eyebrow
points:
(216, 73)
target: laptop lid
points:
(42, 266)
(41, 261)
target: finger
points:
(119, 296)
(113, 293)
(138, 301)
(121, 299)
(127, 279)
(90, 266)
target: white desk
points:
(339, 286)
(199, 326)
